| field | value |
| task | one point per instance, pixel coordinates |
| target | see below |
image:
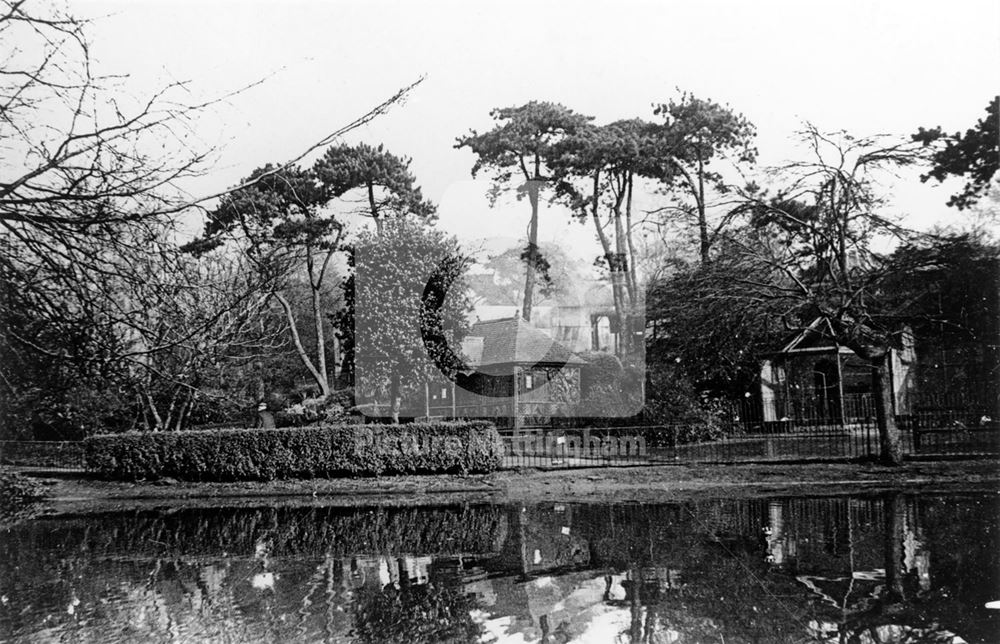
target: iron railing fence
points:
(803, 410)
(922, 434)
(954, 432)
(808, 408)
(59, 454)
(680, 443)
(562, 442)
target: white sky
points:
(866, 67)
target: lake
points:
(892, 567)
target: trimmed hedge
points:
(305, 452)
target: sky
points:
(867, 67)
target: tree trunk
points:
(185, 410)
(529, 271)
(141, 399)
(633, 279)
(324, 385)
(893, 510)
(617, 288)
(619, 273)
(706, 244)
(157, 420)
(317, 309)
(635, 606)
(885, 419)
(373, 207)
(394, 397)
(320, 337)
(260, 388)
(168, 422)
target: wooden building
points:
(516, 374)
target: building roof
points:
(818, 335)
(514, 341)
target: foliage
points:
(601, 369)
(945, 286)
(416, 614)
(119, 350)
(252, 454)
(520, 140)
(17, 489)
(695, 132)
(813, 245)
(409, 280)
(105, 323)
(317, 411)
(672, 400)
(281, 219)
(198, 327)
(595, 173)
(703, 320)
(974, 155)
(555, 272)
(288, 531)
(19, 498)
(608, 390)
(276, 219)
(42, 398)
(390, 190)
(520, 145)
(89, 184)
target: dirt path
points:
(73, 491)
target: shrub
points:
(439, 611)
(601, 369)
(317, 411)
(305, 452)
(16, 489)
(673, 400)
(20, 498)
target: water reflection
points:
(891, 568)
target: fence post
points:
(769, 446)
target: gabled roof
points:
(512, 340)
(819, 334)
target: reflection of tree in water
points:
(283, 574)
(427, 613)
(287, 530)
(882, 569)
(845, 571)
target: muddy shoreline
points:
(73, 491)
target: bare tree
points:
(814, 245)
(193, 323)
(90, 183)
(283, 221)
(78, 152)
